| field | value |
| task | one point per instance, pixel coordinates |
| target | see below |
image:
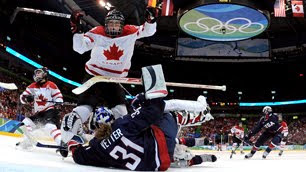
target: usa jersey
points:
(44, 95)
(110, 56)
(269, 123)
(238, 132)
(134, 144)
(284, 128)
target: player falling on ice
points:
(142, 140)
(45, 95)
(272, 130)
(72, 122)
(238, 135)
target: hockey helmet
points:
(40, 75)
(267, 110)
(113, 18)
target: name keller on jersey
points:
(112, 139)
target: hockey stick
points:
(38, 144)
(31, 10)
(41, 145)
(9, 86)
(138, 81)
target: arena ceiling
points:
(50, 38)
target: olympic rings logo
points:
(223, 28)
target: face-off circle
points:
(223, 22)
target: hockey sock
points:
(270, 147)
(234, 146)
(254, 149)
(54, 132)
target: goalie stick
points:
(137, 81)
(9, 86)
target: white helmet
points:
(267, 110)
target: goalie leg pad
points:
(71, 125)
(83, 111)
(119, 111)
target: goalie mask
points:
(102, 115)
(114, 22)
(40, 75)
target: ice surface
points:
(46, 160)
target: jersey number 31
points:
(126, 155)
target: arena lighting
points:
(274, 103)
(31, 62)
(104, 4)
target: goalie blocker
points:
(154, 82)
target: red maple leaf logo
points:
(114, 53)
(297, 8)
(41, 100)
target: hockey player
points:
(238, 135)
(111, 48)
(143, 140)
(284, 134)
(269, 122)
(45, 95)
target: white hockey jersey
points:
(238, 132)
(44, 95)
(110, 56)
(284, 128)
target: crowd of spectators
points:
(215, 131)
(218, 130)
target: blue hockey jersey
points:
(269, 122)
(134, 144)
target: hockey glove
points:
(151, 15)
(76, 23)
(75, 142)
(28, 98)
(138, 101)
